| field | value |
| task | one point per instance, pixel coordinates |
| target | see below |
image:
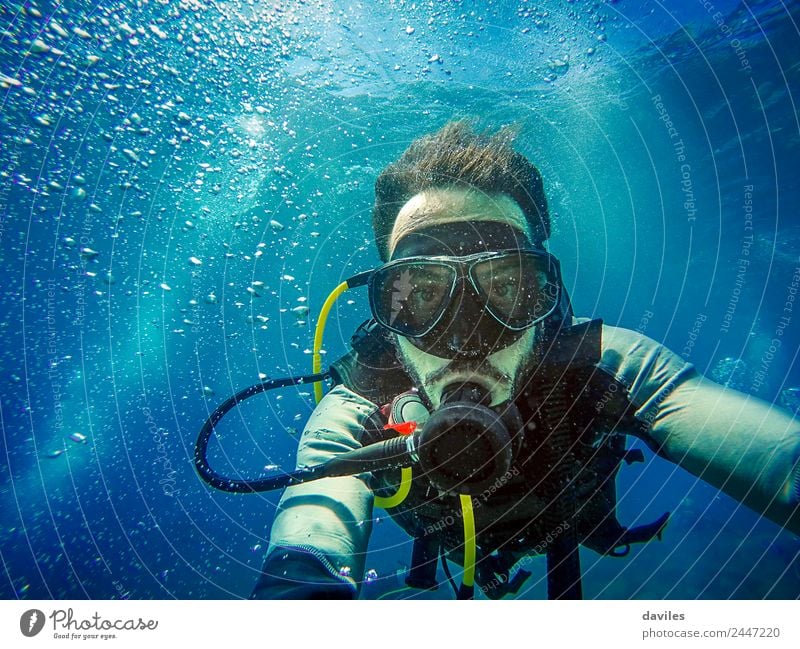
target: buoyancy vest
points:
(575, 418)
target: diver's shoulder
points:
(626, 340)
(627, 353)
(341, 394)
(620, 337)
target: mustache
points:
(468, 367)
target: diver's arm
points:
(319, 538)
(746, 447)
(742, 445)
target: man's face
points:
(468, 345)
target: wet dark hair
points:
(458, 156)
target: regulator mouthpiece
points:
(465, 446)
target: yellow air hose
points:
(398, 496)
(469, 541)
(323, 319)
(405, 473)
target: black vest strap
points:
(371, 368)
(424, 560)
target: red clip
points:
(403, 428)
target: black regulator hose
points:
(233, 485)
(464, 446)
(387, 454)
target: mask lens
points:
(410, 297)
(519, 288)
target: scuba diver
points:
(484, 416)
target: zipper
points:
(322, 559)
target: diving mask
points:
(479, 299)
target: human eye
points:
(426, 293)
(505, 286)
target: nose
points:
(465, 321)
(464, 347)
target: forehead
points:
(460, 238)
(458, 221)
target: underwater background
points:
(183, 183)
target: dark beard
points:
(474, 366)
(481, 367)
(532, 361)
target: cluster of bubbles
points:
(731, 372)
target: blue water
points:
(177, 180)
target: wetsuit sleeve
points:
(320, 534)
(746, 447)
